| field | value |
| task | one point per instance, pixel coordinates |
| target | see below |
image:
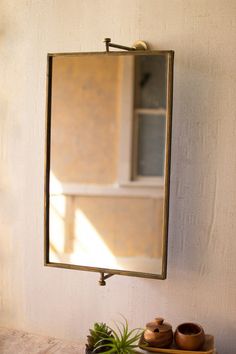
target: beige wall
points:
(201, 263)
(84, 142)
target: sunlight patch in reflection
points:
(55, 185)
(89, 248)
(57, 226)
(57, 219)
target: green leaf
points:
(120, 340)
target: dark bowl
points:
(189, 336)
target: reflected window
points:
(149, 123)
(151, 145)
(143, 131)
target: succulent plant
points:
(100, 333)
(120, 341)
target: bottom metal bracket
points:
(103, 277)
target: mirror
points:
(108, 161)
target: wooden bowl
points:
(189, 336)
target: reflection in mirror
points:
(109, 145)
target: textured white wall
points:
(201, 284)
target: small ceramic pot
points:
(189, 336)
(158, 333)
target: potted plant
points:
(99, 333)
(121, 340)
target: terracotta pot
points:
(158, 333)
(189, 336)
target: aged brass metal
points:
(107, 272)
(138, 45)
(103, 278)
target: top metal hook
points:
(138, 45)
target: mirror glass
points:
(108, 156)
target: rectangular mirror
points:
(108, 161)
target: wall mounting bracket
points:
(138, 45)
(103, 277)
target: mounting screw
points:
(102, 280)
(107, 41)
(102, 283)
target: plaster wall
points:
(201, 283)
(84, 143)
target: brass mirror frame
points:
(170, 56)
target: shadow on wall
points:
(197, 249)
(194, 167)
(7, 209)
